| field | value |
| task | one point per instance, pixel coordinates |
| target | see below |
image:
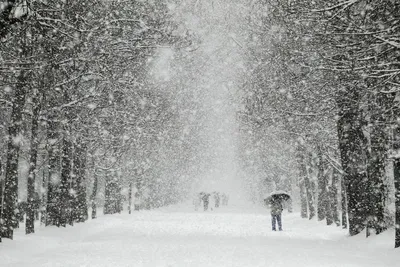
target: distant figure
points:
(216, 199)
(276, 207)
(206, 200)
(137, 201)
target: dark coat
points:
(276, 206)
(206, 198)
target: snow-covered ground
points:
(178, 236)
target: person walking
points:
(137, 201)
(217, 199)
(206, 200)
(276, 207)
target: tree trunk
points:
(396, 174)
(1, 193)
(328, 207)
(109, 195)
(303, 200)
(6, 18)
(93, 196)
(305, 187)
(8, 220)
(377, 188)
(302, 174)
(309, 192)
(130, 198)
(119, 203)
(80, 209)
(290, 203)
(397, 199)
(322, 184)
(378, 152)
(53, 194)
(75, 163)
(30, 214)
(344, 203)
(82, 197)
(43, 196)
(65, 186)
(352, 153)
(112, 194)
(334, 197)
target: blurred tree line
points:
(319, 109)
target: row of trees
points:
(81, 113)
(325, 78)
(321, 81)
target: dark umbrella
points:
(277, 195)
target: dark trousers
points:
(276, 218)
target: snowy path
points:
(175, 237)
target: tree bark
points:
(322, 184)
(6, 19)
(93, 196)
(290, 203)
(378, 153)
(334, 197)
(302, 174)
(112, 194)
(8, 220)
(344, 203)
(53, 194)
(328, 207)
(397, 198)
(1, 194)
(377, 188)
(396, 174)
(305, 190)
(65, 186)
(309, 191)
(119, 203)
(303, 200)
(352, 153)
(130, 198)
(43, 196)
(31, 200)
(80, 209)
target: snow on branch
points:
(5, 16)
(344, 4)
(335, 164)
(392, 43)
(126, 20)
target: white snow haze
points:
(199, 133)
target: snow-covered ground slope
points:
(178, 236)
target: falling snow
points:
(177, 132)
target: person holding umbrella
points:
(275, 201)
(206, 200)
